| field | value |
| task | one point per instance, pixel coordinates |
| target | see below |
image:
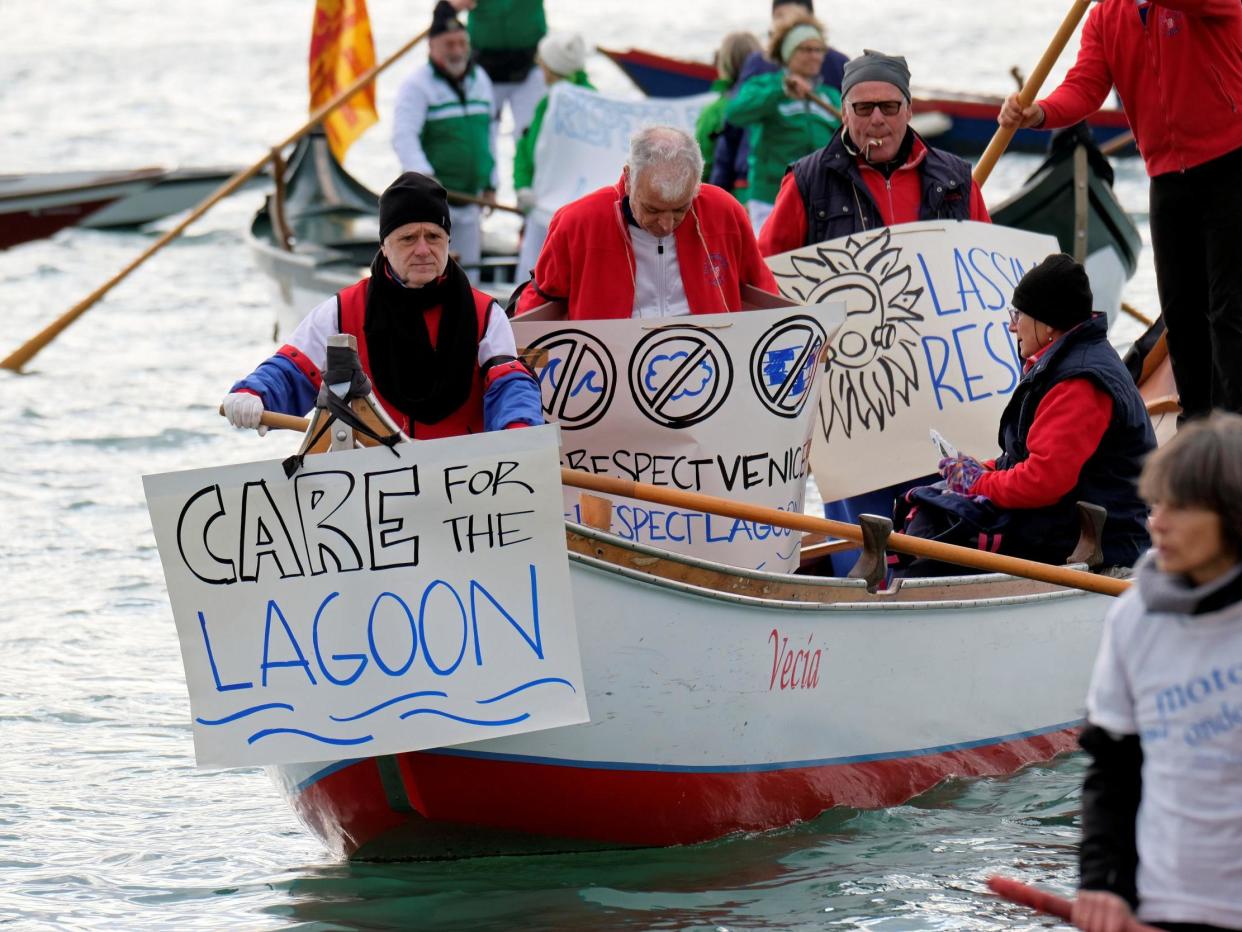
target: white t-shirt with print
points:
(1176, 681)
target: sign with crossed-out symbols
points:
(714, 403)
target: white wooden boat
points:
(725, 700)
(34, 206)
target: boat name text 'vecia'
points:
(799, 669)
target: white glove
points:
(525, 199)
(244, 410)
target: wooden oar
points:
(917, 546)
(1117, 143)
(462, 197)
(824, 104)
(1000, 140)
(1138, 315)
(1043, 902)
(23, 354)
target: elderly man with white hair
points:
(658, 243)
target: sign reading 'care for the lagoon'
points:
(379, 601)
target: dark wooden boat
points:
(34, 206)
(971, 117)
(318, 232)
(1070, 196)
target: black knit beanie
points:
(876, 66)
(808, 4)
(413, 198)
(444, 19)
(1056, 292)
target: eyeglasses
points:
(1014, 314)
(812, 49)
(864, 108)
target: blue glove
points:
(960, 472)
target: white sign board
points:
(925, 344)
(378, 601)
(585, 139)
(716, 403)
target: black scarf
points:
(426, 382)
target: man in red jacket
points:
(1177, 65)
(656, 244)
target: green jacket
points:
(524, 155)
(710, 122)
(507, 24)
(782, 129)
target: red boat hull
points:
(446, 804)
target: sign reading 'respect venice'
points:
(720, 404)
(378, 601)
(924, 344)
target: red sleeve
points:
(551, 277)
(1204, 8)
(1086, 87)
(1069, 424)
(755, 271)
(785, 228)
(978, 209)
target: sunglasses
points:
(864, 108)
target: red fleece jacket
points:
(1179, 75)
(898, 198)
(1068, 426)
(587, 259)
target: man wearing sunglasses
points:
(876, 171)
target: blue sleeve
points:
(755, 63)
(282, 386)
(724, 156)
(514, 396)
(833, 68)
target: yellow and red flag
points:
(341, 51)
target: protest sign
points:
(585, 140)
(715, 403)
(925, 344)
(378, 601)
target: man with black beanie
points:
(1074, 430)
(440, 355)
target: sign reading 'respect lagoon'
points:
(378, 601)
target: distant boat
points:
(972, 117)
(35, 206)
(177, 190)
(1070, 196)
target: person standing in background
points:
(784, 120)
(734, 49)
(1177, 66)
(561, 57)
(505, 35)
(443, 128)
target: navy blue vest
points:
(1109, 477)
(838, 201)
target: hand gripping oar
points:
(1000, 140)
(23, 354)
(1043, 902)
(697, 501)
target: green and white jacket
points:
(444, 128)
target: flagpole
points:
(24, 353)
